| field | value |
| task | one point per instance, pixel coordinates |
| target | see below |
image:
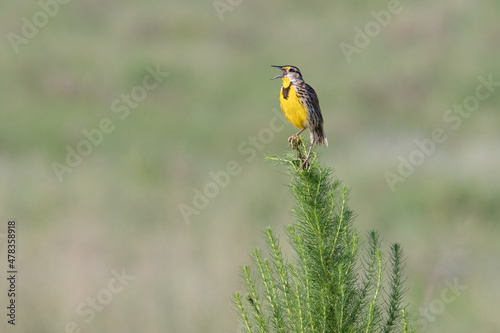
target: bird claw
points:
(294, 141)
(304, 165)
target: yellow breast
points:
(294, 111)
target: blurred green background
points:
(119, 208)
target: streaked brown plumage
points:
(300, 104)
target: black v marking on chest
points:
(285, 91)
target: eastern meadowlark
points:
(300, 105)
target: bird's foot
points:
(294, 141)
(305, 161)
(305, 164)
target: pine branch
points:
(373, 311)
(324, 289)
(271, 291)
(243, 313)
(282, 273)
(396, 291)
(253, 298)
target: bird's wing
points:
(316, 113)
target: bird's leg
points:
(306, 161)
(295, 136)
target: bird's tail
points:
(318, 136)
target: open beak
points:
(278, 76)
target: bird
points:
(300, 105)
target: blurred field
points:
(120, 207)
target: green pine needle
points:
(327, 287)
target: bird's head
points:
(290, 73)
